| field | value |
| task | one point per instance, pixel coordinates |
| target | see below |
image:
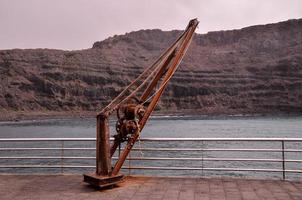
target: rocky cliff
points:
(253, 70)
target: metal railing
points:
(61, 148)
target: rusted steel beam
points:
(175, 63)
(171, 70)
(147, 92)
(166, 56)
(103, 158)
(113, 147)
(157, 77)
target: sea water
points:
(163, 127)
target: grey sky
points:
(76, 24)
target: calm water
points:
(163, 127)
(236, 127)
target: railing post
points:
(202, 150)
(283, 160)
(103, 158)
(62, 157)
(129, 164)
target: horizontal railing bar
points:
(157, 149)
(222, 139)
(49, 157)
(201, 149)
(47, 166)
(212, 159)
(153, 168)
(154, 158)
(27, 149)
(212, 169)
(154, 139)
(44, 139)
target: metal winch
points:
(128, 117)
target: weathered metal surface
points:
(103, 161)
(159, 74)
(131, 112)
(172, 68)
(102, 181)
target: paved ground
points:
(57, 187)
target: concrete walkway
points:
(59, 187)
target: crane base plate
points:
(102, 181)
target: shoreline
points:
(24, 116)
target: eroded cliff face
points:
(253, 70)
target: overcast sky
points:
(77, 24)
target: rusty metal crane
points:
(134, 106)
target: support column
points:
(103, 158)
(103, 176)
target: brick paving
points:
(65, 187)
